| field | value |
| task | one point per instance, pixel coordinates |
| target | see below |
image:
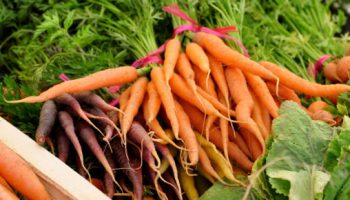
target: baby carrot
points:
(104, 78)
(299, 84)
(223, 53)
(171, 53)
(198, 57)
(47, 119)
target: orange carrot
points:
(284, 93)
(317, 105)
(253, 143)
(171, 53)
(237, 139)
(343, 68)
(4, 183)
(204, 81)
(7, 194)
(218, 74)
(262, 92)
(330, 72)
(105, 78)
(166, 97)
(123, 101)
(198, 57)
(266, 118)
(20, 176)
(298, 84)
(197, 120)
(184, 68)
(137, 93)
(224, 130)
(215, 102)
(205, 163)
(208, 124)
(153, 101)
(187, 135)
(179, 87)
(241, 95)
(257, 115)
(223, 53)
(154, 124)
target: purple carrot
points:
(139, 135)
(63, 145)
(109, 131)
(172, 183)
(66, 122)
(108, 180)
(79, 167)
(87, 135)
(164, 150)
(97, 113)
(70, 101)
(47, 119)
(129, 167)
(95, 100)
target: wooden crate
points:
(60, 180)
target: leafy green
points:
(338, 186)
(300, 143)
(221, 192)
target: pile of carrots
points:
(208, 106)
(17, 177)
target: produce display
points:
(184, 99)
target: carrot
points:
(87, 135)
(137, 93)
(98, 184)
(164, 150)
(241, 95)
(317, 105)
(7, 194)
(224, 130)
(95, 101)
(188, 185)
(4, 183)
(266, 118)
(208, 124)
(223, 53)
(218, 74)
(197, 56)
(130, 167)
(47, 119)
(104, 78)
(108, 179)
(109, 130)
(166, 98)
(253, 143)
(20, 176)
(218, 105)
(187, 135)
(154, 102)
(179, 87)
(257, 115)
(183, 67)
(343, 67)
(262, 93)
(284, 93)
(139, 135)
(206, 165)
(171, 53)
(330, 72)
(218, 159)
(239, 141)
(70, 101)
(298, 84)
(197, 119)
(204, 81)
(96, 113)
(154, 124)
(63, 145)
(123, 100)
(66, 122)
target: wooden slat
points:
(60, 180)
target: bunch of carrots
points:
(337, 71)
(207, 103)
(17, 177)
